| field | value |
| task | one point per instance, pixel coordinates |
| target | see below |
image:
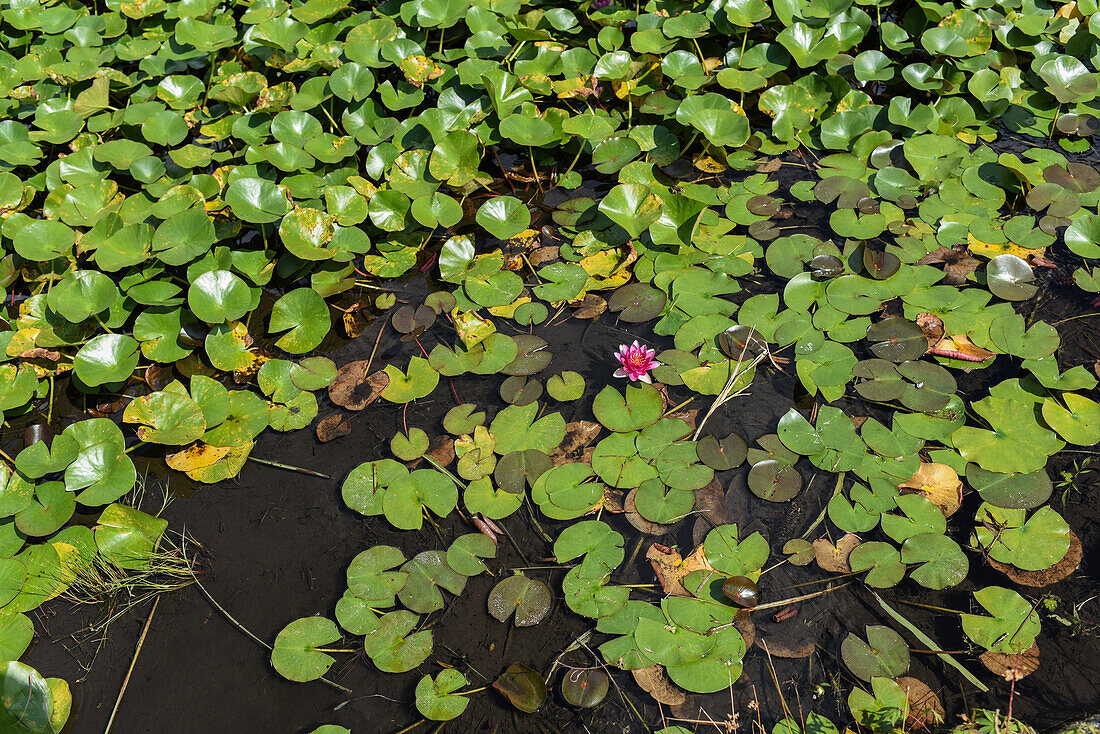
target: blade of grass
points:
(932, 644)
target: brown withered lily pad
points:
(671, 568)
(353, 389)
(334, 426)
(789, 639)
(925, 708)
(957, 263)
(939, 483)
(654, 682)
(578, 435)
(834, 558)
(1012, 667)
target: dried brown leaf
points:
(939, 483)
(352, 388)
(334, 426)
(578, 435)
(925, 708)
(654, 682)
(1012, 667)
(834, 558)
(671, 568)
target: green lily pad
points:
(305, 314)
(435, 698)
(107, 358)
(295, 655)
(371, 578)
(1012, 626)
(883, 654)
(528, 600)
(428, 572)
(418, 382)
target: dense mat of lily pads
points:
(187, 187)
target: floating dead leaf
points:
(959, 346)
(957, 263)
(939, 483)
(654, 682)
(671, 568)
(708, 500)
(687, 416)
(932, 326)
(334, 426)
(578, 434)
(858, 421)
(925, 709)
(158, 375)
(770, 165)
(352, 388)
(1012, 667)
(790, 639)
(355, 318)
(588, 307)
(528, 239)
(40, 353)
(612, 501)
(744, 624)
(226, 467)
(1047, 576)
(196, 456)
(543, 255)
(834, 558)
(993, 249)
(639, 522)
(256, 359)
(441, 450)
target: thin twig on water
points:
(133, 662)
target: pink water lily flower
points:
(636, 361)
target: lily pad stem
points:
(288, 467)
(246, 631)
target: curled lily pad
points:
(523, 687)
(826, 266)
(741, 342)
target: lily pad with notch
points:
(897, 340)
(883, 654)
(528, 600)
(295, 654)
(637, 302)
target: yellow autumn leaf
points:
(472, 328)
(939, 483)
(227, 467)
(508, 311)
(196, 456)
(991, 250)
